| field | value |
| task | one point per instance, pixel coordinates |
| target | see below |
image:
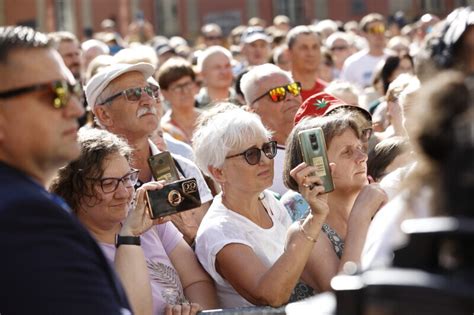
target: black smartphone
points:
(313, 149)
(174, 197)
(162, 167)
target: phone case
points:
(313, 149)
(162, 167)
(174, 197)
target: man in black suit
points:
(49, 263)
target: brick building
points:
(185, 17)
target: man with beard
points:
(275, 97)
(69, 48)
(126, 103)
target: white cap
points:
(254, 33)
(101, 80)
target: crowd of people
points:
(79, 122)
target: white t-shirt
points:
(385, 235)
(178, 147)
(359, 68)
(190, 170)
(222, 226)
(278, 165)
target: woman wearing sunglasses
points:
(99, 187)
(245, 241)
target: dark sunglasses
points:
(62, 90)
(135, 94)
(339, 48)
(376, 29)
(110, 184)
(253, 155)
(278, 94)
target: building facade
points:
(185, 17)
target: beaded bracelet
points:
(306, 235)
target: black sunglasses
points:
(278, 94)
(253, 155)
(62, 90)
(135, 94)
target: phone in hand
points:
(174, 197)
(313, 149)
(162, 167)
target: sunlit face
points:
(244, 177)
(257, 52)
(181, 92)
(71, 53)
(306, 52)
(276, 116)
(217, 71)
(347, 152)
(32, 132)
(375, 35)
(132, 119)
(111, 208)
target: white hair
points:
(94, 43)
(137, 53)
(210, 51)
(250, 80)
(224, 128)
(338, 35)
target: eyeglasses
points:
(62, 90)
(339, 48)
(135, 94)
(278, 94)
(183, 87)
(253, 155)
(210, 37)
(376, 29)
(110, 184)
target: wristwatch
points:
(127, 240)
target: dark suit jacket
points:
(49, 263)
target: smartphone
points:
(313, 149)
(174, 197)
(162, 167)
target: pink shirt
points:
(157, 244)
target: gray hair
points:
(17, 37)
(223, 128)
(208, 52)
(250, 80)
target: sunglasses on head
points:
(135, 94)
(62, 91)
(278, 94)
(376, 29)
(253, 155)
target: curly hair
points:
(72, 182)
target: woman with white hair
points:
(245, 241)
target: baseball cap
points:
(101, 80)
(254, 33)
(322, 104)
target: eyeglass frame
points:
(152, 87)
(133, 171)
(181, 88)
(273, 143)
(58, 103)
(277, 87)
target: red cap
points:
(323, 103)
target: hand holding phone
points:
(162, 167)
(313, 149)
(174, 197)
